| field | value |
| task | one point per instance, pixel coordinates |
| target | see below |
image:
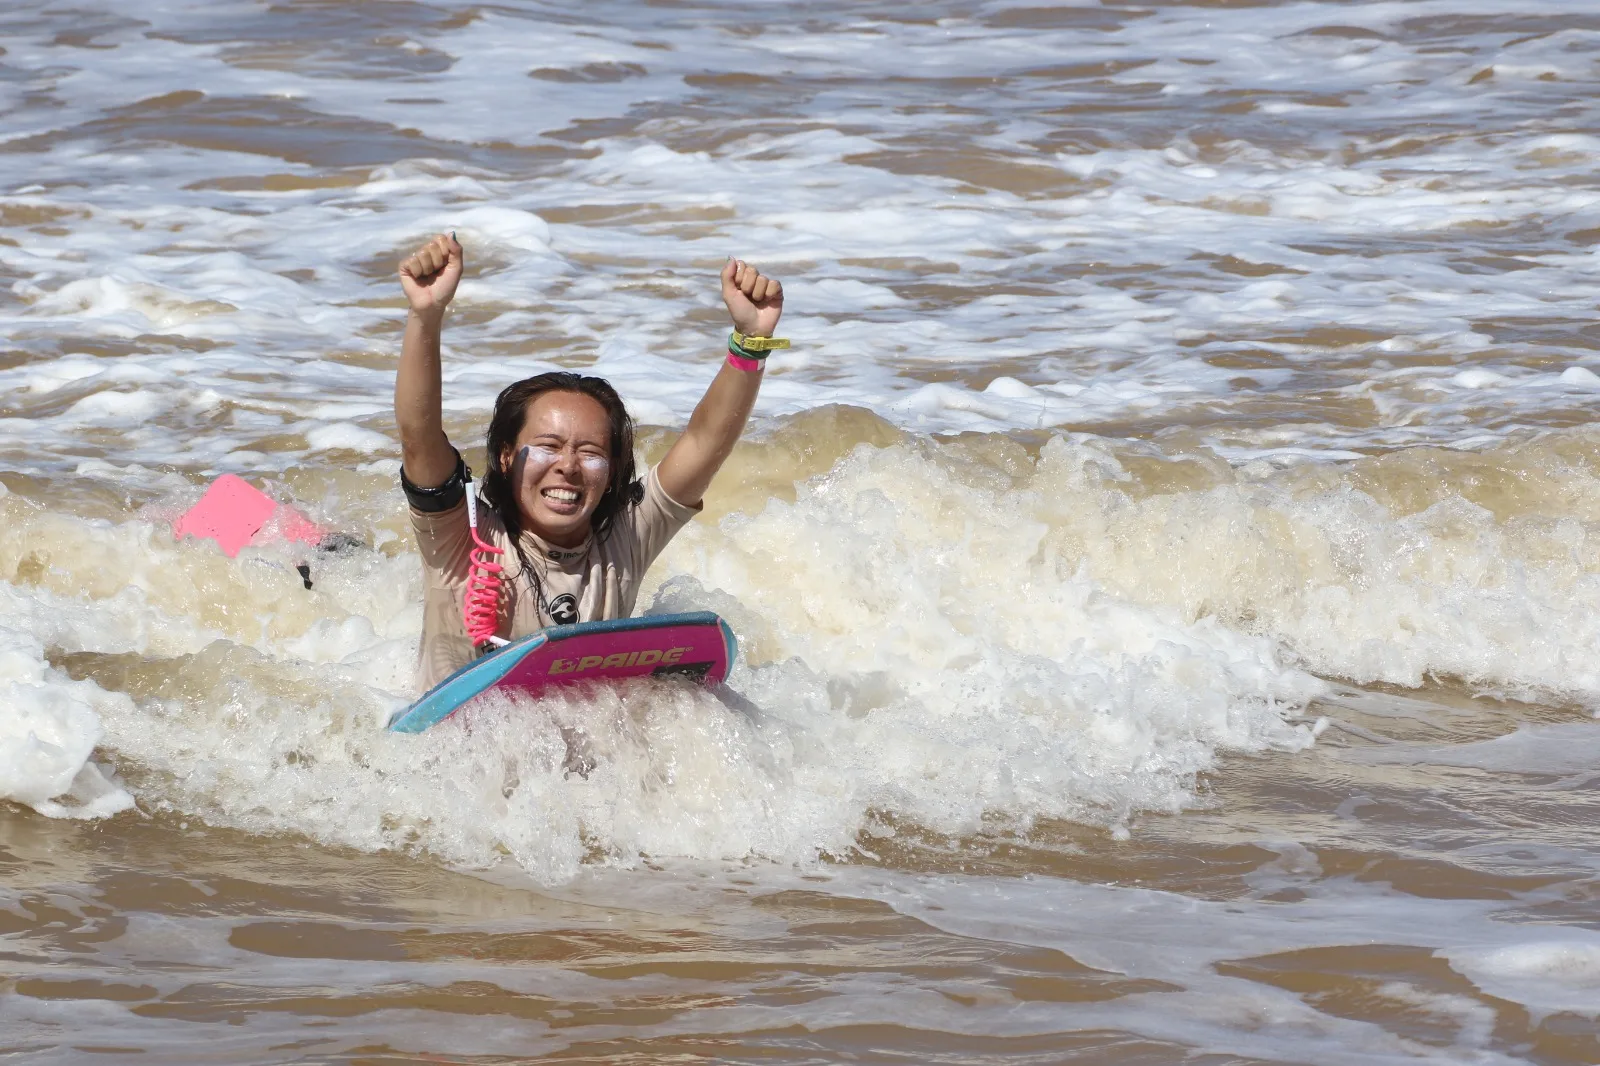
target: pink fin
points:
(232, 511)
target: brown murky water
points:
(1166, 567)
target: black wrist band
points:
(442, 498)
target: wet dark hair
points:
(505, 426)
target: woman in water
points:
(561, 511)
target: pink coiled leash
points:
(480, 606)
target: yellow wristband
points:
(759, 344)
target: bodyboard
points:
(232, 512)
(698, 646)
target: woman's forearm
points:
(714, 428)
(755, 303)
(424, 449)
(429, 278)
(720, 416)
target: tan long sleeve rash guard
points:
(597, 580)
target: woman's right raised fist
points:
(430, 275)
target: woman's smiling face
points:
(561, 465)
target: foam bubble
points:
(48, 733)
(347, 437)
(1547, 976)
(1571, 749)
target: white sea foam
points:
(954, 643)
(1547, 975)
(1347, 568)
(286, 273)
(936, 668)
(1219, 1008)
(49, 730)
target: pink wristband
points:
(743, 362)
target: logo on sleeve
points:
(564, 609)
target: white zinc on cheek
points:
(537, 458)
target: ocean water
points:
(1166, 565)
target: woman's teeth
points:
(568, 495)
